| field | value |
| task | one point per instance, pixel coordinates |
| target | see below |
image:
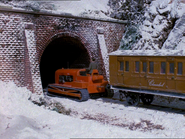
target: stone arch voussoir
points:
(64, 34)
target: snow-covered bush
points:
(130, 37)
(157, 24)
(133, 11)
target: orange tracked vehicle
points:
(77, 83)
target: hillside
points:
(153, 24)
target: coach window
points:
(126, 65)
(151, 67)
(171, 67)
(137, 66)
(163, 67)
(179, 68)
(121, 65)
(144, 66)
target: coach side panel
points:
(148, 72)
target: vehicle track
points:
(116, 100)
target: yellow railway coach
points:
(142, 74)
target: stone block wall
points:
(12, 48)
(24, 37)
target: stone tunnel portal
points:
(63, 52)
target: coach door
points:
(143, 73)
(128, 81)
(180, 74)
(120, 73)
(171, 74)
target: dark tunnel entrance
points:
(64, 52)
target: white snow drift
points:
(20, 118)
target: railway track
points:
(153, 106)
(118, 113)
(156, 106)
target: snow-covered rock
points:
(175, 39)
(162, 27)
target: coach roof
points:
(148, 53)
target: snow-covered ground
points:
(93, 8)
(65, 118)
(87, 8)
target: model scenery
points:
(136, 74)
(142, 74)
(79, 84)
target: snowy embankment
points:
(20, 118)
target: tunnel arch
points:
(63, 51)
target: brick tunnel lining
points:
(64, 52)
